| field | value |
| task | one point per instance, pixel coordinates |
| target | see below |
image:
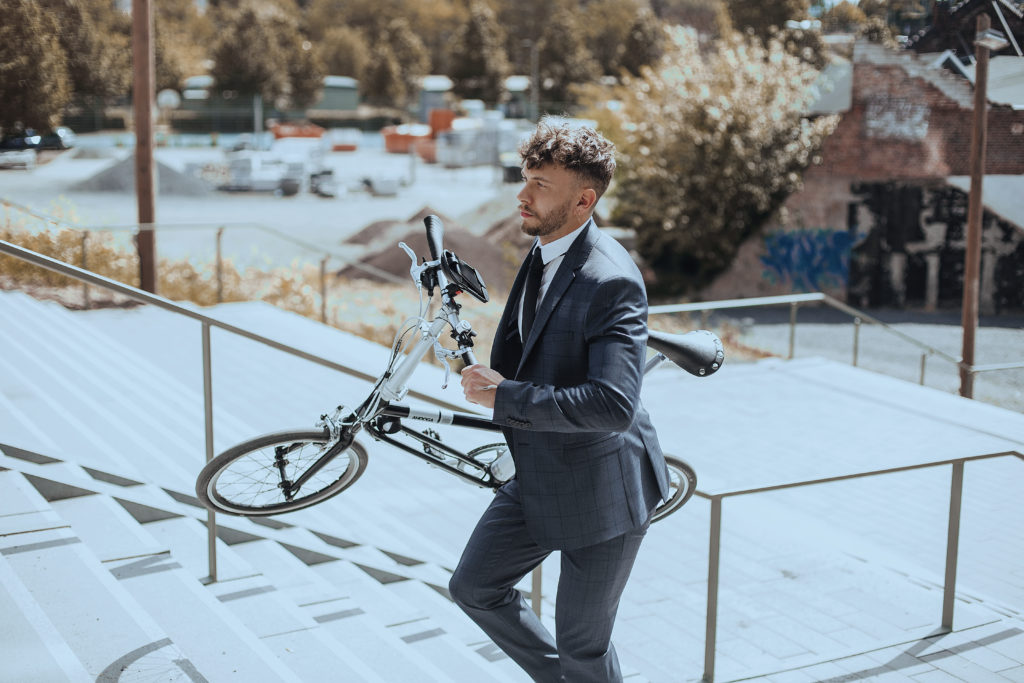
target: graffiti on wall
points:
(808, 260)
(896, 117)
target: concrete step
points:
(31, 646)
(290, 633)
(348, 617)
(218, 644)
(97, 620)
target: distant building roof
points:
(1005, 80)
(1000, 194)
(436, 83)
(340, 82)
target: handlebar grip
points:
(435, 236)
(468, 357)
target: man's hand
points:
(480, 383)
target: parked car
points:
(60, 137)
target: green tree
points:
(261, 52)
(345, 51)
(708, 17)
(382, 83)
(761, 17)
(479, 64)
(564, 59)
(525, 21)
(410, 55)
(34, 82)
(645, 42)
(709, 147)
(876, 30)
(180, 39)
(98, 60)
(844, 16)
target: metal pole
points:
(85, 266)
(220, 265)
(536, 589)
(952, 544)
(535, 79)
(711, 623)
(211, 522)
(142, 104)
(972, 255)
(323, 289)
(792, 328)
(924, 361)
(856, 340)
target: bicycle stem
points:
(394, 388)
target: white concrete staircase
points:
(104, 572)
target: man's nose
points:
(522, 195)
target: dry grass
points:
(371, 310)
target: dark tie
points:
(533, 278)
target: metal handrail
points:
(859, 317)
(219, 227)
(952, 539)
(207, 322)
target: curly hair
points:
(576, 148)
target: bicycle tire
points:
(682, 481)
(245, 481)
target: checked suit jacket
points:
(588, 462)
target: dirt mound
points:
(428, 211)
(372, 232)
(495, 258)
(387, 232)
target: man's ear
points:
(587, 199)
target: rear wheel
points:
(682, 482)
(250, 479)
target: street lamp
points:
(985, 39)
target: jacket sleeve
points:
(615, 337)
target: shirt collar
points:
(552, 250)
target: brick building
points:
(879, 222)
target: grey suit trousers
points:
(500, 553)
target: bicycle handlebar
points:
(435, 236)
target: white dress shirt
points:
(552, 254)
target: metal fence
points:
(715, 499)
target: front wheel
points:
(682, 482)
(255, 477)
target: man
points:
(564, 382)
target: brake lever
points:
(416, 270)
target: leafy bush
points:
(710, 145)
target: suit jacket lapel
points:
(573, 260)
(509, 317)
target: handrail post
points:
(792, 328)
(536, 589)
(323, 289)
(220, 265)
(856, 339)
(85, 266)
(714, 556)
(952, 544)
(211, 522)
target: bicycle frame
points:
(382, 416)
